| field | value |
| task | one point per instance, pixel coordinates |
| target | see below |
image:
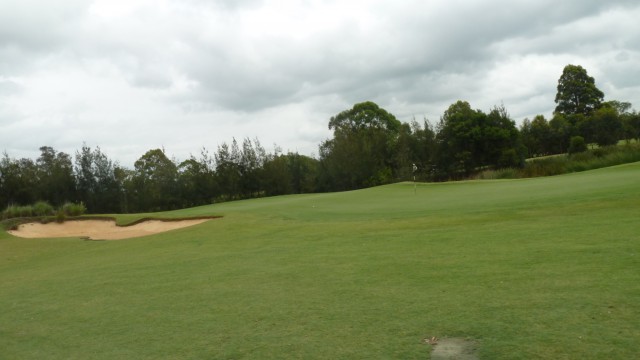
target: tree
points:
(155, 185)
(56, 183)
(536, 135)
(415, 145)
(577, 145)
(250, 166)
(459, 140)
(196, 180)
(629, 121)
(577, 92)
(277, 175)
(622, 107)
(631, 125)
(362, 150)
(18, 181)
(97, 185)
(363, 116)
(304, 173)
(469, 139)
(228, 171)
(501, 142)
(561, 132)
(607, 126)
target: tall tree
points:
(277, 177)
(362, 149)
(631, 125)
(155, 182)
(197, 182)
(561, 132)
(228, 171)
(501, 142)
(415, 146)
(536, 135)
(18, 181)
(250, 165)
(97, 185)
(468, 139)
(607, 126)
(459, 139)
(577, 92)
(55, 176)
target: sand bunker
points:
(99, 229)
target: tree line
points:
(156, 182)
(369, 146)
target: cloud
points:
(139, 74)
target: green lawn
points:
(534, 268)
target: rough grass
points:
(596, 158)
(534, 268)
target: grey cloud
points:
(206, 60)
(31, 28)
(9, 87)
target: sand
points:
(99, 229)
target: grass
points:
(42, 210)
(532, 268)
(551, 165)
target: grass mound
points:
(540, 268)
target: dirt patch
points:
(100, 229)
(453, 348)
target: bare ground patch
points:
(100, 229)
(453, 348)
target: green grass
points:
(543, 268)
(594, 158)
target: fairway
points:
(544, 268)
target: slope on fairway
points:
(535, 268)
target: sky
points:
(129, 76)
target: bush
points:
(12, 211)
(577, 145)
(72, 209)
(505, 173)
(60, 216)
(25, 211)
(42, 208)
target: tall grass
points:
(73, 209)
(43, 209)
(564, 164)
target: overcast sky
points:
(134, 75)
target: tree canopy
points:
(364, 142)
(577, 92)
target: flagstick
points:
(414, 178)
(414, 185)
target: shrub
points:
(72, 209)
(25, 211)
(60, 216)
(504, 173)
(577, 145)
(43, 208)
(12, 211)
